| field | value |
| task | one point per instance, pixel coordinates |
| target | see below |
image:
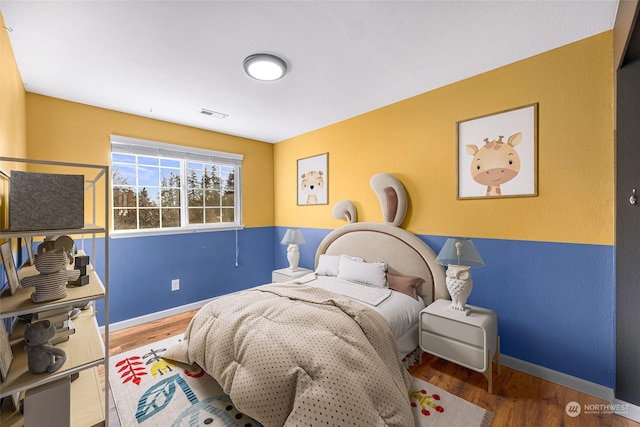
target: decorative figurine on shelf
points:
(41, 355)
(51, 283)
(81, 263)
(51, 243)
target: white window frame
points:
(128, 145)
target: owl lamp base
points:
(459, 285)
(293, 256)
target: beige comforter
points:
(300, 356)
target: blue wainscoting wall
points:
(141, 269)
(555, 301)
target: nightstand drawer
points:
(455, 351)
(460, 331)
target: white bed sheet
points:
(399, 310)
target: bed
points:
(311, 351)
(405, 255)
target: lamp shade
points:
(459, 251)
(293, 236)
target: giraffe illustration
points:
(495, 163)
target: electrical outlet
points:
(175, 285)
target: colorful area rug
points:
(150, 391)
(435, 407)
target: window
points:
(159, 187)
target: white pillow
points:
(328, 264)
(366, 273)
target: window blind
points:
(128, 145)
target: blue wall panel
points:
(141, 269)
(555, 301)
(555, 304)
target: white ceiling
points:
(168, 59)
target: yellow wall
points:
(415, 139)
(67, 131)
(13, 130)
(13, 137)
(59, 130)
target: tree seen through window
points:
(151, 193)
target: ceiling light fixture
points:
(263, 66)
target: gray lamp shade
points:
(293, 235)
(468, 255)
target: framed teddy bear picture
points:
(313, 180)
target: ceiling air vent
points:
(213, 113)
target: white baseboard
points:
(626, 410)
(154, 316)
(575, 383)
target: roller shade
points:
(127, 145)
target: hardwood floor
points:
(519, 399)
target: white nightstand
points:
(286, 274)
(471, 341)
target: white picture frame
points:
(6, 355)
(28, 243)
(9, 266)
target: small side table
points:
(471, 341)
(286, 274)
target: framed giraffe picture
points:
(313, 180)
(497, 154)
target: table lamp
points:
(293, 237)
(459, 255)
